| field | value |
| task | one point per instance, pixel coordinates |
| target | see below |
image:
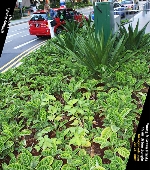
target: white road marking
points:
(25, 43)
(24, 35)
(8, 41)
(19, 29)
(13, 35)
(17, 65)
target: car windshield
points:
(68, 10)
(38, 17)
(116, 5)
(127, 2)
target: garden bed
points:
(56, 115)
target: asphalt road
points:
(17, 41)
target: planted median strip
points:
(60, 111)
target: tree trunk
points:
(72, 3)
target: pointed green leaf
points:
(47, 161)
(44, 167)
(25, 132)
(67, 107)
(97, 160)
(123, 152)
(114, 128)
(75, 122)
(51, 97)
(16, 166)
(125, 112)
(57, 164)
(106, 133)
(67, 167)
(99, 140)
(72, 102)
(99, 168)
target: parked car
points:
(119, 9)
(38, 23)
(92, 15)
(32, 7)
(130, 5)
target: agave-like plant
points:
(92, 51)
(135, 39)
(72, 30)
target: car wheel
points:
(123, 15)
(59, 30)
(39, 36)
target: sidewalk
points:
(20, 21)
(143, 20)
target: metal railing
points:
(128, 14)
(146, 8)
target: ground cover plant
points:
(125, 21)
(56, 114)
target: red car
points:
(38, 24)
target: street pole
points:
(20, 6)
(21, 11)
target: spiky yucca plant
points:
(92, 51)
(71, 31)
(135, 39)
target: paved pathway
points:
(144, 18)
(20, 21)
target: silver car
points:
(130, 5)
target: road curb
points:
(90, 7)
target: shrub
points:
(16, 14)
(55, 4)
(41, 6)
(124, 21)
(69, 5)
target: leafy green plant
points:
(92, 51)
(45, 142)
(115, 146)
(124, 21)
(26, 161)
(80, 159)
(16, 14)
(78, 136)
(10, 134)
(115, 117)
